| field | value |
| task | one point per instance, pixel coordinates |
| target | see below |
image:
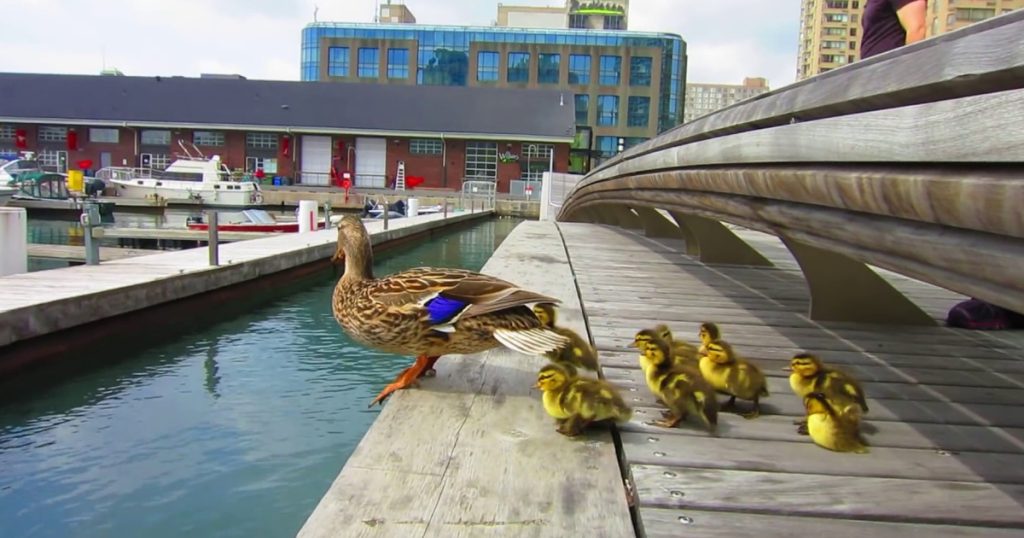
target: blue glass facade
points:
(443, 52)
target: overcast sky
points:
(260, 39)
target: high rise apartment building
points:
(830, 30)
(580, 14)
(703, 99)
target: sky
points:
(727, 39)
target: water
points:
(235, 430)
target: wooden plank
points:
(800, 494)
(672, 522)
(983, 57)
(178, 234)
(958, 438)
(77, 254)
(803, 456)
(481, 427)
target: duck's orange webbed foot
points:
(408, 377)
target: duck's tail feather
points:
(531, 341)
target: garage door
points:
(316, 160)
(371, 162)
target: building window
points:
(577, 21)
(267, 164)
(50, 160)
(837, 17)
(640, 71)
(614, 22)
(608, 110)
(582, 109)
(7, 132)
(481, 161)
(153, 137)
(610, 68)
(53, 134)
(159, 161)
(607, 146)
(208, 138)
(579, 69)
(369, 62)
(548, 66)
(425, 146)
(487, 66)
(631, 141)
(398, 63)
(518, 67)
(261, 141)
(337, 62)
(639, 111)
(974, 14)
(534, 160)
(105, 136)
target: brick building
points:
(297, 130)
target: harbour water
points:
(236, 429)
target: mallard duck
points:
(429, 312)
(681, 388)
(707, 333)
(830, 429)
(734, 376)
(578, 352)
(682, 351)
(844, 393)
(574, 402)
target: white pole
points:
(307, 215)
(13, 240)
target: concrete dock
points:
(37, 309)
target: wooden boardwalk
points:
(945, 427)
(77, 253)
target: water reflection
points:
(236, 429)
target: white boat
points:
(190, 179)
(6, 193)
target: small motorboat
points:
(249, 220)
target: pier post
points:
(90, 219)
(445, 210)
(213, 243)
(13, 240)
(385, 211)
(327, 214)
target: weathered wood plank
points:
(878, 433)
(74, 253)
(705, 452)
(795, 494)
(959, 63)
(668, 522)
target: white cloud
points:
(727, 39)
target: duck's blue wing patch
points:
(442, 309)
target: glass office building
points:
(625, 86)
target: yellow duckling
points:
(578, 352)
(829, 429)
(707, 333)
(645, 336)
(680, 387)
(734, 376)
(844, 393)
(682, 351)
(575, 402)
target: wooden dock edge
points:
(39, 332)
(472, 452)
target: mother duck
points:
(429, 312)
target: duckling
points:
(645, 336)
(680, 387)
(578, 352)
(830, 429)
(734, 376)
(682, 351)
(844, 393)
(708, 333)
(575, 402)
